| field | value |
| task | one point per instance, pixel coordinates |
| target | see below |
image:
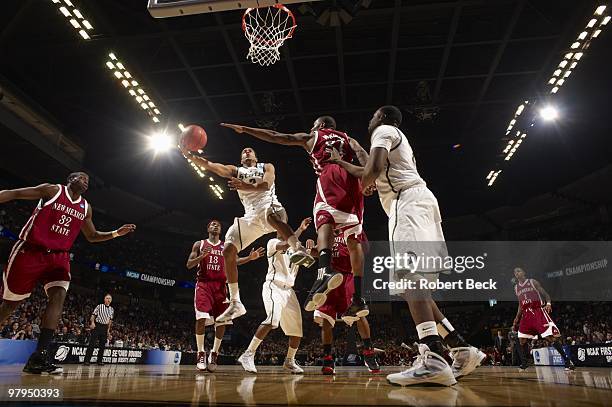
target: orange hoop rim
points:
(278, 6)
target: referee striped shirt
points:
(103, 313)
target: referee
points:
(101, 320)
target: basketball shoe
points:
(329, 365)
(428, 368)
(569, 365)
(212, 361)
(326, 281)
(201, 361)
(356, 310)
(292, 366)
(233, 311)
(465, 360)
(38, 363)
(301, 258)
(247, 360)
(371, 361)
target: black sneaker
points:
(523, 367)
(327, 281)
(38, 363)
(569, 365)
(370, 360)
(329, 365)
(356, 310)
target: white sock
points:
(216, 345)
(255, 342)
(234, 291)
(293, 242)
(444, 328)
(291, 352)
(426, 328)
(200, 342)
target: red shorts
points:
(339, 201)
(210, 300)
(338, 301)
(28, 265)
(536, 322)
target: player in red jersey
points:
(210, 298)
(42, 254)
(336, 305)
(533, 314)
(338, 203)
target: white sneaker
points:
(292, 366)
(201, 361)
(247, 360)
(429, 367)
(233, 311)
(465, 360)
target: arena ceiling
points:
(470, 62)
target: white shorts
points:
(283, 308)
(250, 227)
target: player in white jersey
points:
(281, 303)
(263, 214)
(414, 225)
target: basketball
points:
(194, 138)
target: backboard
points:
(173, 8)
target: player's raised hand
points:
(125, 229)
(238, 184)
(255, 254)
(305, 223)
(310, 244)
(236, 127)
(335, 156)
(369, 191)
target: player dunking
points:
(210, 297)
(533, 314)
(281, 303)
(414, 216)
(263, 214)
(338, 203)
(336, 305)
(42, 253)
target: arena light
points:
(87, 25)
(75, 18)
(600, 10)
(160, 142)
(549, 113)
(84, 34)
(77, 13)
(64, 11)
(75, 23)
(606, 20)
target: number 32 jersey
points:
(55, 224)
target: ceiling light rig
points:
(215, 188)
(125, 79)
(75, 17)
(576, 51)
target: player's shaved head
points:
(74, 175)
(391, 115)
(78, 182)
(325, 122)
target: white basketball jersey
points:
(279, 269)
(400, 171)
(255, 201)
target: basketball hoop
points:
(267, 28)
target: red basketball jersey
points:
(325, 141)
(55, 224)
(341, 259)
(527, 294)
(212, 267)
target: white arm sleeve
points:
(384, 136)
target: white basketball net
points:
(267, 28)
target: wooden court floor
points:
(230, 385)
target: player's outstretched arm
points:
(544, 294)
(42, 191)
(222, 170)
(362, 155)
(94, 236)
(335, 158)
(253, 255)
(271, 136)
(195, 257)
(374, 167)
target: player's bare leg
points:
(290, 362)
(327, 337)
(39, 360)
(278, 220)
(247, 359)
(358, 308)
(327, 278)
(466, 358)
(214, 353)
(200, 330)
(235, 308)
(569, 365)
(369, 356)
(6, 310)
(430, 366)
